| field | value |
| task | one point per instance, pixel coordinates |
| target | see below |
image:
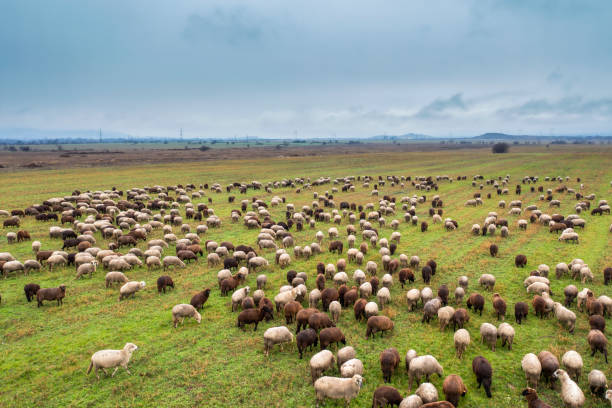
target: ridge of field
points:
(45, 351)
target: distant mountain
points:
(406, 136)
(505, 136)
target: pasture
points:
(45, 352)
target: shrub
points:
(500, 148)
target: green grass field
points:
(44, 352)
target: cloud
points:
(441, 107)
(574, 106)
(232, 26)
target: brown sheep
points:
(200, 298)
(336, 246)
(320, 321)
(386, 396)
(593, 306)
(426, 274)
(443, 294)
(302, 317)
(477, 301)
(306, 338)
(51, 294)
(532, 399)
(23, 236)
(163, 282)
(250, 316)
(607, 275)
(520, 261)
(597, 322)
(331, 335)
(550, 364)
(499, 305)
(493, 250)
(374, 282)
(521, 309)
(389, 361)
(359, 309)
(30, 291)
(229, 285)
(320, 282)
(291, 309)
(378, 324)
(351, 296)
(460, 317)
(539, 306)
(186, 255)
(484, 373)
(598, 342)
(328, 295)
(406, 274)
(453, 388)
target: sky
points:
(282, 68)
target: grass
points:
(44, 352)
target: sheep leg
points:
(116, 368)
(126, 369)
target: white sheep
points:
(571, 394)
(487, 281)
(412, 297)
(337, 388)
(488, 333)
(533, 369)
(130, 288)
(320, 362)
(565, 316)
(423, 366)
(276, 335)
(506, 332)
(427, 392)
(345, 354)
(104, 359)
(181, 311)
(573, 363)
(335, 309)
(88, 268)
(597, 382)
(238, 296)
(384, 297)
(351, 367)
(462, 341)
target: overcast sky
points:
(307, 69)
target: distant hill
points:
(406, 136)
(505, 136)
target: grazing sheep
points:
(566, 317)
(570, 392)
(276, 335)
(31, 265)
(30, 290)
(320, 362)
(521, 309)
(427, 392)
(597, 322)
(598, 342)
(573, 363)
(389, 361)
(335, 309)
(351, 367)
(445, 315)
(487, 281)
(520, 261)
(306, 339)
(423, 366)
(104, 359)
(181, 311)
(477, 301)
(462, 341)
(550, 364)
(384, 297)
(345, 354)
(386, 396)
(533, 400)
(130, 289)
(568, 237)
(484, 373)
(51, 294)
(378, 324)
(337, 388)
(538, 288)
(499, 305)
(453, 388)
(488, 333)
(169, 261)
(430, 309)
(506, 333)
(115, 276)
(411, 401)
(561, 269)
(532, 368)
(597, 382)
(200, 298)
(570, 292)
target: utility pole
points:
(100, 134)
(181, 133)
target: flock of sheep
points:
(314, 300)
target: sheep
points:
(532, 368)
(454, 387)
(520, 261)
(130, 288)
(568, 237)
(499, 305)
(427, 392)
(30, 290)
(463, 282)
(386, 396)
(598, 342)
(597, 382)
(351, 367)
(462, 341)
(506, 333)
(200, 298)
(181, 311)
(573, 363)
(320, 362)
(533, 400)
(276, 335)
(371, 309)
(488, 333)
(570, 292)
(383, 296)
(476, 300)
(115, 276)
(378, 324)
(305, 339)
(487, 281)
(345, 354)
(430, 309)
(389, 361)
(13, 266)
(565, 316)
(582, 297)
(84, 269)
(169, 261)
(561, 269)
(538, 288)
(550, 364)
(238, 296)
(411, 401)
(335, 309)
(30, 265)
(445, 315)
(410, 355)
(104, 359)
(337, 388)
(283, 298)
(423, 366)
(51, 294)
(597, 322)
(570, 392)
(585, 273)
